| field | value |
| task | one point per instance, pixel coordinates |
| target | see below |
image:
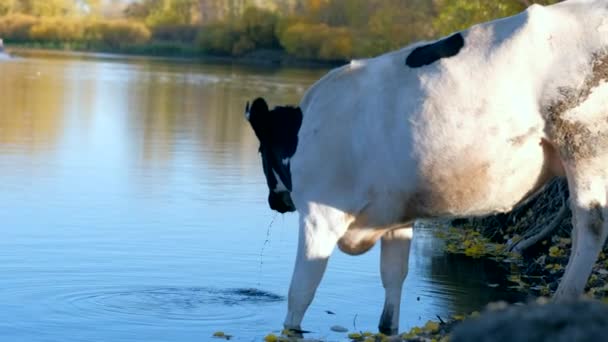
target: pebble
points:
(339, 329)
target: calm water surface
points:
(133, 208)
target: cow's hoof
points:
(388, 331)
(296, 332)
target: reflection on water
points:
(134, 208)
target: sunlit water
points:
(133, 208)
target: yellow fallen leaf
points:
(458, 317)
(431, 326)
(355, 336)
(271, 338)
(555, 252)
(219, 334)
(416, 331)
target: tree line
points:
(331, 30)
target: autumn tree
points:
(172, 12)
(47, 8)
(6, 6)
(211, 11)
(456, 15)
(163, 12)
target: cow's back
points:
(381, 131)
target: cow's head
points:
(277, 131)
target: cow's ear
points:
(259, 118)
(258, 109)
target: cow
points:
(469, 125)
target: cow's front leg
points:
(590, 228)
(394, 257)
(317, 238)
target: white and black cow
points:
(468, 125)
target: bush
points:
(175, 33)
(454, 15)
(255, 29)
(57, 30)
(16, 27)
(259, 26)
(318, 41)
(337, 45)
(300, 40)
(161, 49)
(112, 34)
(116, 34)
(6, 7)
(242, 46)
(218, 39)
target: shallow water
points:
(133, 208)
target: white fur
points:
(280, 186)
(382, 144)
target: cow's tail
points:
(277, 131)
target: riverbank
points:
(532, 243)
(262, 58)
(543, 224)
(534, 272)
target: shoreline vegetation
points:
(308, 33)
(262, 58)
(533, 270)
(531, 245)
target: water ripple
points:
(171, 303)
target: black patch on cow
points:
(277, 130)
(429, 54)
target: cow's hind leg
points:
(589, 219)
(320, 229)
(395, 252)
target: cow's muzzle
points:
(281, 202)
